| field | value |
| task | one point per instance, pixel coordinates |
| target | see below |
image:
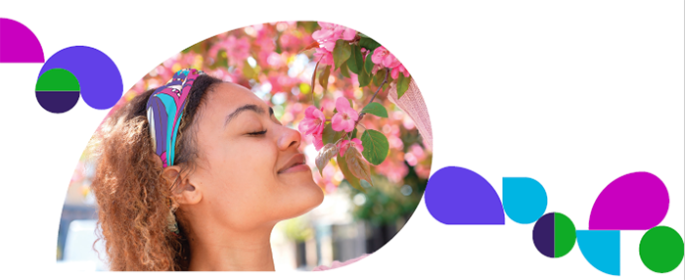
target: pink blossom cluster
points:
(327, 36)
(313, 124)
(345, 119)
(262, 43)
(382, 57)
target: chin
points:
(309, 196)
(314, 195)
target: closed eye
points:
(258, 133)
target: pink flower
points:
(318, 141)
(395, 72)
(355, 143)
(313, 122)
(330, 33)
(345, 118)
(383, 57)
(324, 56)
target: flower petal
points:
(318, 141)
(342, 104)
(337, 122)
(309, 112)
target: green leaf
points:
(368, 64)
(364, 78)
(323, 78)
(356, 59)
(344, 71)
(354, 181)
(388, 82)
(328, 152)
(368, 43)
(402, 85)
(354, 133)
(309, 26)
(375, 145)
(341, 52)
(380, 75)
(357, 165)
(375, 108)
(330, 135)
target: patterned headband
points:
(165, 110)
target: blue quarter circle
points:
(602, 249)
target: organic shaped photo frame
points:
(365, 132)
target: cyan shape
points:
(524, 199)
(602, 249)
(458, 196)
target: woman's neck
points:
(231, 251)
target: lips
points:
(294, 164)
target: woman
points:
(200, 185)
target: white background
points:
(572, 93)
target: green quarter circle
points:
(57, 79)
(564, 235)
(661, 249)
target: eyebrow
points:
(249, 107)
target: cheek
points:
(247, 172)
(254, 160)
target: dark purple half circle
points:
(57, 101)
(543, 235)
(18, 44)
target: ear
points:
(182, 190)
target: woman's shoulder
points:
(337, 264)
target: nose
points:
(289, 138)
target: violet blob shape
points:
(458, 196)
(635, 201)
(18, 44)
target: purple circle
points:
(99, 77)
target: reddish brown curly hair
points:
(135, 201)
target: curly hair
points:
(135, 201)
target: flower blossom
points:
(330, 33)
(313, 122)
(381, 56)
(323, 56)
(327, 36)
(318, 141)
(395, 72)
(345, 144)
(346, 117)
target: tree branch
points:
(361, 115)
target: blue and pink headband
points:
(165, 110)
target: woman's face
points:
(249, 170)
